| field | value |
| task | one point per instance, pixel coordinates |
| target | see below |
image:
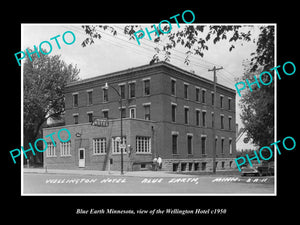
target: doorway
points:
(81, 157)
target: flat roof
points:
(145, 67)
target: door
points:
(81, 157)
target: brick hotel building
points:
(166, 111)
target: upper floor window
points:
(75, 100)
(174, 112)
(197, 94)
(222, 121)
(132, 112)
(203, 96)
(173, 87)
(221, 101)
(186, 115)
(147, 87)
(90, 116)
(186, 88)
(90, 97)
(105, 95)
(147, 112)
(122, 91)
(132, 90)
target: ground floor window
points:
(175, 166)
(51, 150)
(196, 166)
(65, 148)
(143, 144)
(115, 145)
(99, 146)
(203, 166)
(183, 166)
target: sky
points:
(114, 53)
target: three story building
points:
(166, 112)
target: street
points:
(39, 183)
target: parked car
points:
(258, 170)
(249, 171)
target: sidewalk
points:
(106, 173)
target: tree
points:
(258, 105)
(44, 81)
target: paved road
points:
(39, 183)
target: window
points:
(65, 148)
(203, 118)
(221, 101)
(216, 144)
(186, 115)
(75, 100)
(132, 113)
(212, 98)
(203, 166)
(90, 117)
(51, 149)
(75, 116)
(123, 112)
(197, 94)
(212, 119)
(196, 166)
(115, 145)
(147, 87)
(230, 146)
(229, 103)
(203, 96)
(175, 167)
(229, 122)
(122, 91)
(174, 144)
(147, 112)
(105, 95)
(186, 87)
(105, 114)
(99, 146)
(173, 87)
(132, 90)
(173, 112)
(143, 144)
(203, 145)
(197, 117)
(90, 97)
(222, 146)
(222, 121)
(223, 165)
(190, 144)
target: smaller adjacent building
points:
(166, 112)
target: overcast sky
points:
(114, 53)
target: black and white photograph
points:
(135, 114)
(114, 116)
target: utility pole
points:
(214, 69)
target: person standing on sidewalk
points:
(154, 164)
(159, 162)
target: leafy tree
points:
(44, 81)
(258, 105)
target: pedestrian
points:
(159, 161)
(154, 164)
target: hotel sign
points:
(100, 123)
